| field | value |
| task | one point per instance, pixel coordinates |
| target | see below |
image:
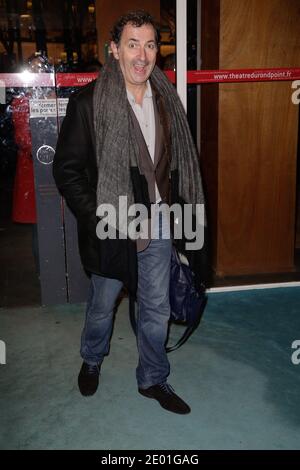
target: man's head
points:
(135, 44)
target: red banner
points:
(199, 76)
(242, 75)
(28, 79)
(74, 79)
(237, 75)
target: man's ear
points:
(114, 49)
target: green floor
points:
(235, 372)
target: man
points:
(126, 135)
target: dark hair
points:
(136, 18)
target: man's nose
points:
(142, 53)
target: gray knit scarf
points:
(117, 150)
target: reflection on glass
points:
(168, 34)
(60, 28)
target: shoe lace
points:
(166, 388)
(93, 368)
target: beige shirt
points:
(146, 119)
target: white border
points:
(274, 285)
(199, 67)
(181, 52)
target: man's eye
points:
(132, 45)
(151, 46)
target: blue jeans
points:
(153, 312)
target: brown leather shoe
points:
(166, 397)
(88, 379)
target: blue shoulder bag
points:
(186, 301)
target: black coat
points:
(75, 173)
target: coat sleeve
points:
(70, 166)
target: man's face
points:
(136, 52)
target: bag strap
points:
(132, 314)
(186, 334)
(189, 329)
